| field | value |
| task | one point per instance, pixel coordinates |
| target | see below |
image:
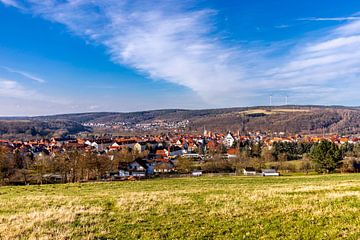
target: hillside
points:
(290, 119)
(288, 207)
(30, 128)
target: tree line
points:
(322, 157)
(72, 165)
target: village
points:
(130, 126)
(119, 158)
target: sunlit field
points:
(293, 207)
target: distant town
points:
(119, 158)
(129, 126)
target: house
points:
(249, 171)
(196, 173)
(136, 166)
(269, 172)
(162, 153)
(178, 143)
(143, 166)
(164, 166)
(231, 153)
(138, 174)
(137, 148)
(123, 173)
(179, 152)
(229, 140)
(192, 147)
(344, 140)
(95, 145)
(114, 146)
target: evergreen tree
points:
(326, 156)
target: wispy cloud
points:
(166, 42)
(25, 74)
(330, 62)
(178, 44)
(10, 88)
(282, 26)
(338, 19)
(19, 99)
(12, 3)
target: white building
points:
(229, 140)
(249, 171)
(269, 172)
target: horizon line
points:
(174, 109)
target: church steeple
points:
(205, 132)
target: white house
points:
(137, 148)
(178, 152)
(269, 172)
(196, 173)
(95, 145)
(123, 173)
(229, 140)
(249, 171)
(92, 144)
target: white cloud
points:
(12, 3)
(328, 63)
(162, 41)
(282, 26)
(352, 28)
(10, 88)
(25, 74)
(32, 101)
(170, 42)
(336, 43)
(338, 19)
(334, 52)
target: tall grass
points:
(294, 207)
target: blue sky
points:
(60, 56)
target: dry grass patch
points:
(144, 202)
(52, 223)
(298, 207)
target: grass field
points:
(293, 207)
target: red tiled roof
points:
(231, 151)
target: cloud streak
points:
(337, 19)
(12, 3)
(25, 74)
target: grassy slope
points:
(307, 207)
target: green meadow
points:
(287, 207)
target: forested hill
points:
(31, 128)
(290, 119)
